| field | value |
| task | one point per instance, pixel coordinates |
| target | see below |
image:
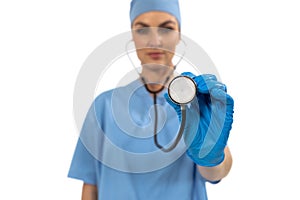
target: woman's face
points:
(155, 35)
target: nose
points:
(155, 40)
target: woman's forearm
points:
(217, 172)
(89, 192)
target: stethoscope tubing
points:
(179, 134)
(182, 106)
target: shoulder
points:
(119, 93)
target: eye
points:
(165, 30)
(142, 31)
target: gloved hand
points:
(209, 118)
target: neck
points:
(157, 77)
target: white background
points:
(43, 44)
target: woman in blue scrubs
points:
(137, 173)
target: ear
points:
(179, 38)
(131, 30)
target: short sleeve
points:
(83, 165)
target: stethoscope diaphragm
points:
(182, 90)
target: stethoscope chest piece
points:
(182, 90)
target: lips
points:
(155, 55)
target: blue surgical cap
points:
(138, 7)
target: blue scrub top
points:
(116, 150)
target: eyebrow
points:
(160, 25)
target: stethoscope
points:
(181, 90)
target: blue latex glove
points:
(209, 120)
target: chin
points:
(156, 66)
